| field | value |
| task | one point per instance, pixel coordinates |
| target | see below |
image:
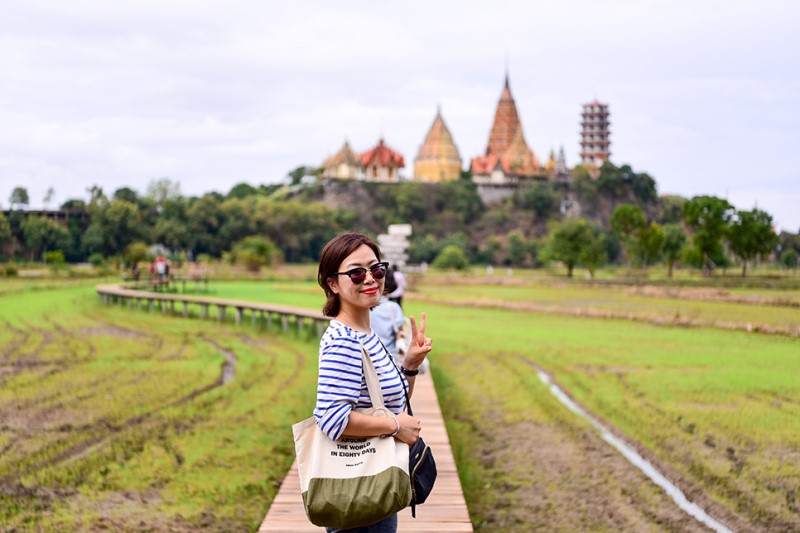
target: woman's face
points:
(364, 295)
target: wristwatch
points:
(408, 372)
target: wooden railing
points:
(260, 314)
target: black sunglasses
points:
(358, 275)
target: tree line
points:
(614, 217)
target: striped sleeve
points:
(339, 382)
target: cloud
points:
(702, 94)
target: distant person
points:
(400, 282)
(394, 330)
(389, 322)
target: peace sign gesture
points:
(420, 344)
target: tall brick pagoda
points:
(595, 143)
(508, 156)
(438, 158)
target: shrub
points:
(97, 259)
(789, 259)
(254, 252)
(451, 257)
(136, 252)
(55, 260)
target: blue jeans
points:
(387, 525)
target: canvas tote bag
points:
(352, 482)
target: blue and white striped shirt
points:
(341, 386)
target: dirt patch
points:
(659, 320)
(709, 294)
(628, 474)
(113, 331)
(547, 477)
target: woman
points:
(352, 275)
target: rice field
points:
(112, 417)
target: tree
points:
(425, 249)
(171, 232)
(451, 257)
(296, 175)
(42, 234)
(650, 242)
(203, 220)
(593, 253)
(163, 190)
(541, 200)
(74, 203)
(127, 194)
(490, 251)
(670, 208)
(674, 241)
(48, 197)
(96, 196)
(628, 224)
(114, 225)
(710, 218)
(5, 232)
(789, 259)
(254, 252)
(242, 190)
(751, 235)
(19, 198)
(517, 248)
(568, 241)
(136, 252)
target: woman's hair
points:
(331, 257)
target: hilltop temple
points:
(438, 158)
(508, 163)
(380, 163)
(556, 168)
(508, 157)
(344, 164)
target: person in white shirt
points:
(400, 281)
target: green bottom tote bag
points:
(352, 482)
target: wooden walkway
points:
(445, 511)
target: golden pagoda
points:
(508, 156)
(344, 164)
(438, 158)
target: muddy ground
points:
(565, 477)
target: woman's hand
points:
(410, 427)
(420, 344)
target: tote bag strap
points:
(405, 389)
(371, 377)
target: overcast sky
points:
(704, 95)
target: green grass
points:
(673, 390)
(717, 407)
(106, 418)
(627, 301)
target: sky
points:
(704, 95)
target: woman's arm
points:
(362, 425)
